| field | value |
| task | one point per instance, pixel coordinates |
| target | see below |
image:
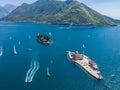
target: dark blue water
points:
(102, 44)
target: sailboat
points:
(50, 34)
(77, 52)
(51, 61)
(1, 51)
(15, 52)
(29, 37)
(48, 73)
(83, 46)
(10, 37)
(19, 42)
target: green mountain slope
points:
(58, 12)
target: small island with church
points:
(44, 39)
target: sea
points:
(34, 60)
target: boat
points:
(29, 37)
(48, 73)
(19, 42)
(88, 25)
(83, 46)
(29, 49)
(113, 75)
(51, 61)
(50, 34)
(15, 52)
(44, 39)
(1, 51)
(86, 64)
(10, 37)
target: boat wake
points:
(1, 51)
(34, 66)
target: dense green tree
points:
(69, 1)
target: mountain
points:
(9, 7)
(114, 20)
(58, 12)
(5, 10)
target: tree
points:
(69, 1)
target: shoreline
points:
(36, 22)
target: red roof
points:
(77, 55)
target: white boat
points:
(19, 42)
(10, 37)
(85, 63)
(83, 46)
(50, 34)
(88, 35)
(29, 49)
(1, 51)
(15, 52)
(48, 73)
(113, 75)
(51, 62)
(29, 37)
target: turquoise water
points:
(102, 44)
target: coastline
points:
(64, 24)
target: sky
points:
(105, 7)
(15, 2)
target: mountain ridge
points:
(58, 12)
(5, 10)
